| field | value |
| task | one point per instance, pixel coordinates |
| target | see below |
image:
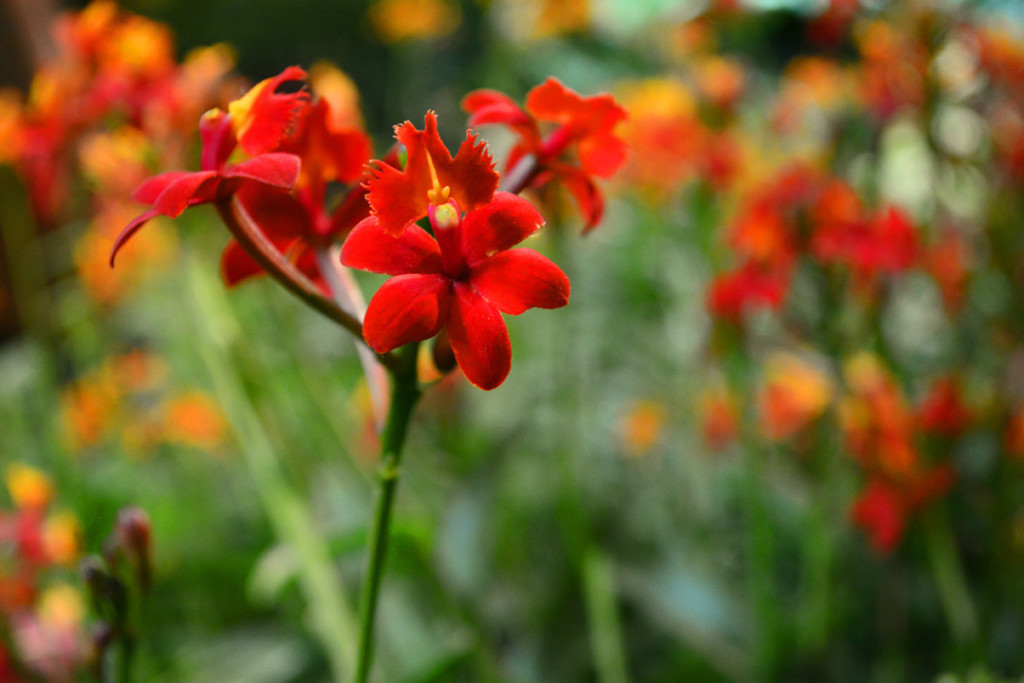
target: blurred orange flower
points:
(400, 20)
(641, 426)
(794, 394)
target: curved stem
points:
(251, 238)
(520, 175)
(405, 392)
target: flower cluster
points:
(44, 615)
(127, 401)
(108, 108)
(458, 276)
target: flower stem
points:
(251, 238)
(405, 392)
(346, 293)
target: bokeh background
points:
(778, 434)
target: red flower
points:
(943, 410)
(464, 276)
(731, 294)
(258, 122)
(586, 124)
(296, 222)
(400, 197)
(881, 511)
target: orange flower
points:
(399, 20)
(664, 133)
(61, 533)
(876, 420)
(195, 420)
(795, 393)
(719, 417)
(641, 427)
(721, 81)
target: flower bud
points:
(134, 536)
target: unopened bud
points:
(94, 576)
(443, 356)
(134, 535)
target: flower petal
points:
(370, 247)
(276, 212)
(236, 265)
(519, 279)
(350, 212)
(479, 338)
(277, 169)
(400, 197)
(263, 117)
(153, 187)
(129, 230)
(503, 223)
(193, 188)
(602, 155)
(405, 309)
(588, 198)
(552, 101)
(490, 106)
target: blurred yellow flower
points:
(399, 20)
(29, 487)
(794, 394)
(61, 534)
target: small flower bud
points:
(134, 535)
(443, 356)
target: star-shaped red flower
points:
(465, 275)
(585, 129)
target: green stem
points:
(125, 654)
(602, 614)
(949, 578)
(405, 392)
(332, 619)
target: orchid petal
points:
(519, 279)
(602, 155)
(490, 107)
(277, 169)
(370, 247)
(400, 197)
(552, 101)
(405, 309)
(236, 265)
(263, 117)
(153, 187)
(278, 213)
(129, 230)
(503, 223)
(588, 197)
(479, 338)
(189, 189)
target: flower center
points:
(436, 195)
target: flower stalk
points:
(405, 392)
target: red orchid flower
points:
(258, 122)
(464, 276)
(584, 124)
(297, 223)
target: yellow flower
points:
(29, 488)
